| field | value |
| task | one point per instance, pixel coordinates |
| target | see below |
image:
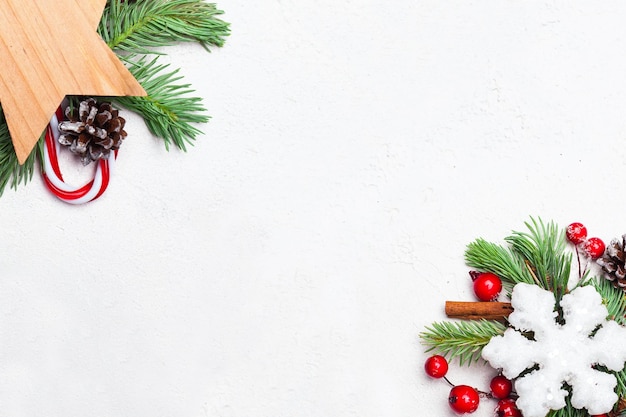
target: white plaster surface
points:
(285, 265)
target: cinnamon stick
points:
(490, 310)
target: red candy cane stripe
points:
(52, 174)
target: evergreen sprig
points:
(543, 250)
(460, 339)
(534, 257)
(168, 110)
(613, 298)
(143, 26)
(136, 30)
(487, 256)
(11, 172)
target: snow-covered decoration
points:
(562, 353)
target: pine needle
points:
(486, 256)
(11, 172)
(534, 257)
(542, 248)
(613, 298)
(168, 110)
(143, 26)
(460, 339)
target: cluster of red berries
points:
(577, 234)
(465, 399)
(487, 285)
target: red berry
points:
(594, 247)
(576, 233)
(501, 387)
(507, 408)
(487, 286)
(436, 366)
(463, 399)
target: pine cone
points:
(613, 262)
(93, 130)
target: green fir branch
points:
(613, 298)
(487, 256)
(11, 172)
(460, 339)
(543, 247)
(168, 110)
(142, 26)
(534, 257)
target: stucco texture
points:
(285, 265)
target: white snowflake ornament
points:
(564, 353)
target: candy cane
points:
(52, 174)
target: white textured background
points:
(285, 265)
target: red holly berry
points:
(576, 233)
(463, 399)
(436, 366)
(594, 247)
(507, 408)
(599, 415)
(487, 285)
(501, 387)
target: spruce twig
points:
(460, 339)
(168, 110)
(543, 247)
(139, 28)
(487, 256)
(143, 26)
(11, 172)
(614, 299)
(534, 257)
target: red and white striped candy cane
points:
(52, 174)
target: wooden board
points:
(50, 49)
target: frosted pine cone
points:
(93, 130)
(613, 262)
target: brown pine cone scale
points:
(92, 130)
(613, 262)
